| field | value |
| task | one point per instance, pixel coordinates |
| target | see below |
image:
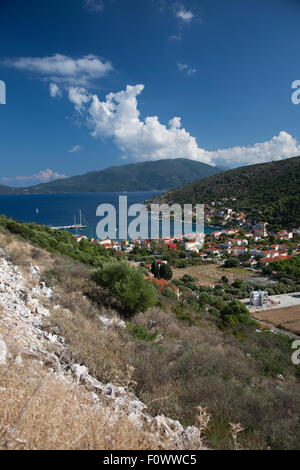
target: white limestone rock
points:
(3, 352)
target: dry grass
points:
(23, 254)
(37, 411)
(208, 274)
(190, 366)
(104, 353)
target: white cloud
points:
(118, 117)
(94, 5)
(185, 15)
(42, 176)
(79, 97)
(55, 91)
(184, 67)
(76, 149)
(278, 148)
(63, 69)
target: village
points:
(236, 243)
(248, 242)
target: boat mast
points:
(75, 224)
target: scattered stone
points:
(3, 352)
(158, 338)
(18, 360)
(151, 324)
(112, 322)
(25, 313)
(79, 371)
(35, 272)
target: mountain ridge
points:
(266, 190)
(142, 176)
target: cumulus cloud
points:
(186, 68)
(278, 148)
(42, 176)
(55, 91)
(76, 149)
(118, 117)
(79, 97)
(61, 69)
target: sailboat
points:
(83, 223)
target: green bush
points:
(127, 284)
(234, 313)
(231, 263)
(140, 333)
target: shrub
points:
(182, 314)
(231, 263)
(165, 272)
(233, 313)
(127, 284)
(140, 333)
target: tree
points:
(235, 312)
(128, 285)
(155, 269)
(238, 283)
(165, 272)
(272, 239)
(231, 263)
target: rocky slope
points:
(24, 310)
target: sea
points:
(63, 209)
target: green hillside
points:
(144, 176)
(269, 191)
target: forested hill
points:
(268, 190)
(143, 176)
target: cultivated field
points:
(209, 274)
(286, 318)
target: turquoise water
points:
(59, 209)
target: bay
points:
(60, 209)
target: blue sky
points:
(203, 79)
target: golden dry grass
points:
(207, 274)
(23, 254)
(39, 412)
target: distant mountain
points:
(145, 176)
(6, 190)
(269, 191)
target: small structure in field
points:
(259, 298)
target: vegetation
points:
(209, 352)
(239, 289)
(144, 176)
(231, 263)
(285, 269)
(58, 242)
(161, 271)
(266, 191)
(127, 284)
